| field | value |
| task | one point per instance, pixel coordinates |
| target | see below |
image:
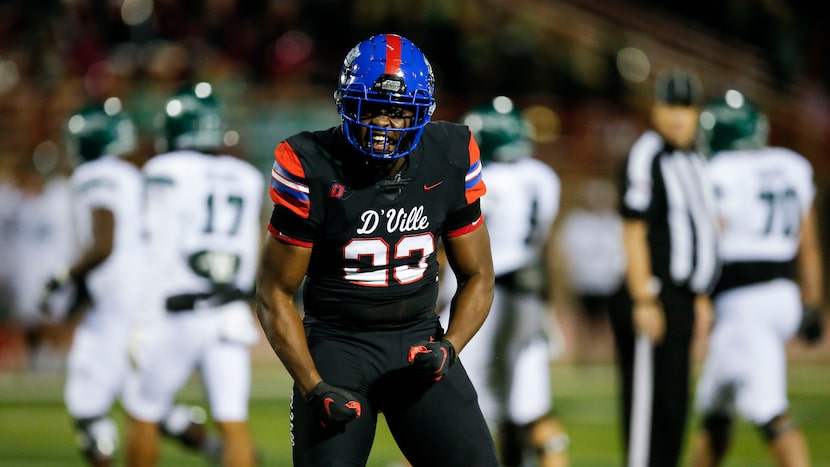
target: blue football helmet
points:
(732, 122)
(98, 129)
(502, 133)
(192, 119)
(385, 71)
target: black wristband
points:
(318, 389)
(453, 355)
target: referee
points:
(669, 233)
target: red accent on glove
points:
(431, 360)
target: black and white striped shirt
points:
(670, 190)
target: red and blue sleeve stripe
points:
(474, 183)
(288, 184)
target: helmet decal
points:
(393, 55)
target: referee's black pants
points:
(671, 368)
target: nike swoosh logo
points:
(327, 404)
(434, 185)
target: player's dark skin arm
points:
(470, 258)
(282, 268)
(103, 237)
(809, 261)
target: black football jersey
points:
(374, 237)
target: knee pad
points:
(719, 428)
(776, 427)
(543, 437)
(186, 424)
(554, 445)
(547, 437)
(97, 438)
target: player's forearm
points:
(639, 276)
(470, 307)
(470, 258)
(811, 277)
(811, 292)
(86, 262)
(101, 246)
(284, 330)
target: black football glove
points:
(335, 407)
(432, 359)
(57, 281)
(812, 328)
(81, 300)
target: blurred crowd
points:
(275, 62)
(56, 52)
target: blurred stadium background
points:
(582, 68)
(587, 64)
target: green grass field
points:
(35, 431)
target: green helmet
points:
(192, 119)
(98, 129)
(502, 133)
(732, 122)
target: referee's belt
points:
(194, 301)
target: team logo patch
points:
(337, 190)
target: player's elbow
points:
(483, 284)
(489, 286)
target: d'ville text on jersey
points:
(397, 220)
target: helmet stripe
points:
(393, 54)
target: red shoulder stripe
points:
(288, 184)
(474, 182)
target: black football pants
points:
(434, 423)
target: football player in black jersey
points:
(358, 212)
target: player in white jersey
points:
(106, 196)
(508, 360)
(591, 246)
(203, 223)
(36, 231)
(771, 269)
